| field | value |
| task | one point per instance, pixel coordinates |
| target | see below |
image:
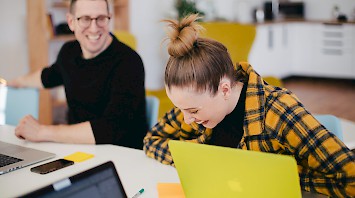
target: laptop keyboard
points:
(7, 160)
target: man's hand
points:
(29, 129)
(15, 83)
(32, 79)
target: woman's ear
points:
(225, 88)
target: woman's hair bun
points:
(182, 35)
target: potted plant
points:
(185, 7)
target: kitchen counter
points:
(304, 21)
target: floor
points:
(319, 95)
(325, 96)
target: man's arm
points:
(30, 129)
(32, 79)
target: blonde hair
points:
(195, 62)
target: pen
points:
(138, 193)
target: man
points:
(103, 81)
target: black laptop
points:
(100, 181)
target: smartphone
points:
(52, 166)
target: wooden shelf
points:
(59, 103)
(61, 4)
(121, 15)
(120, 3)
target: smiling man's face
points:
(93, 39)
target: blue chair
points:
(332, 123)
(21, 102)
(152, 110)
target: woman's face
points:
(202, 108)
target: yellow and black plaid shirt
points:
(276, 122)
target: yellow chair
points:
(272, 80)
(238, 38)
(126, 38)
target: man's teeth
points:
(93, 37)
(200, 122)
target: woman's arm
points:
(326, 165)
(156, 140)
(172, 126)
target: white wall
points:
(13, 39)
(322, 9)
(231, 10)
(242, 10)
(144, 22)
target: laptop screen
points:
(100, 181)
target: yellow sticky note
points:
(170, 190)
(79, 156)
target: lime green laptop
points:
(213, 171)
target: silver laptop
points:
(13, 157)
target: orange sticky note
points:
(170, 190)
(79, 156)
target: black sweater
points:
(230, 131)
(107, 90)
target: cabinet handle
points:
(284, 36)
(332, 43)
(333, 34)
(270, 38)
(336, 52)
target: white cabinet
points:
(333, 51)
(304, 48)
(269, 54)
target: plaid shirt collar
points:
(255, 100)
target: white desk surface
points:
(134, 168)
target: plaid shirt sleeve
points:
(325, 164)
(276, 121)
(172, 126)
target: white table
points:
(135, 169)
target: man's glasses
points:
(85, 21)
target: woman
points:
(219, 104)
